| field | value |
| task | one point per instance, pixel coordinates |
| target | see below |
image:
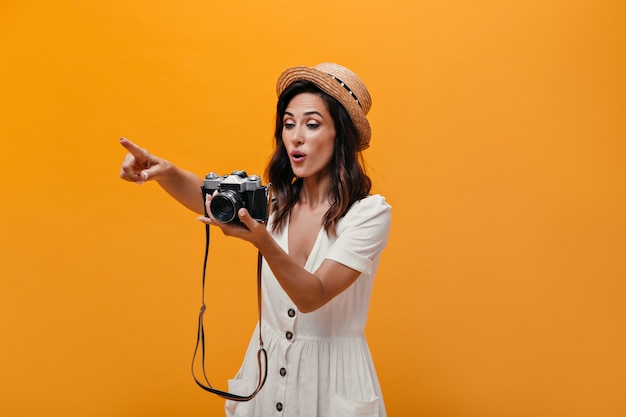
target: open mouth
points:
(297, 155)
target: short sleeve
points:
(362, 234)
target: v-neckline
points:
(313, 248)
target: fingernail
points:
(144, 175)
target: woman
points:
(321, 248)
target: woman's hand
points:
(253, 232)
(139, 165)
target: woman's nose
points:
(297, 135)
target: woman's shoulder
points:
(373, 208)
(374, 202)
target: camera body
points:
(235, 191)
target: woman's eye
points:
(288, 125)
(312, 125)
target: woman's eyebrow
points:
(308, 113)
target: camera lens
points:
(225, 205)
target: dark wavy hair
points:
(350, 183)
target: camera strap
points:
(200, 341)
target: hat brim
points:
(332, 87)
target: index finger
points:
(134, 150)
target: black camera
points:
(235, 191)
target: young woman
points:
(321, 247)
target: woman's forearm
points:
(309, 291)
(304, 288)
(184, 186)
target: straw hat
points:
(342, 84)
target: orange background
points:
(499, 139)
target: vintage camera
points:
(235, 191)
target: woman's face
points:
(308, 135)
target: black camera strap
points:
(200, 342)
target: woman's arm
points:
(310, 291)
(140, 166)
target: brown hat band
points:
(344, 85)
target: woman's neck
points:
(315, 191)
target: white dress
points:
(319, 363)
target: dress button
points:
(279, 406)
(291, 312)
(289, 335)
(283, 372)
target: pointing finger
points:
(134, 150)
